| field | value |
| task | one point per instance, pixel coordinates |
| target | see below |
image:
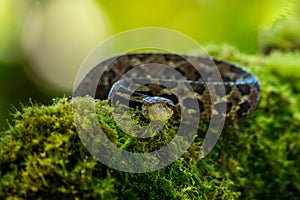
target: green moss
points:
(42, 156)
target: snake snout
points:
(157, 108)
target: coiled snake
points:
(241, 97)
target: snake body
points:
(242, 89)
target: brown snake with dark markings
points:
(241, 97)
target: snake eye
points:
(157, 108)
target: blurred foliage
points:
(283, 35)
(42, 157)
(15, 89)
(234, 22)
(10, 31)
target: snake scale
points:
(242, 89)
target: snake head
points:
(157, 108)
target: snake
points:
(154, 97)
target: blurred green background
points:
(43, 42)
